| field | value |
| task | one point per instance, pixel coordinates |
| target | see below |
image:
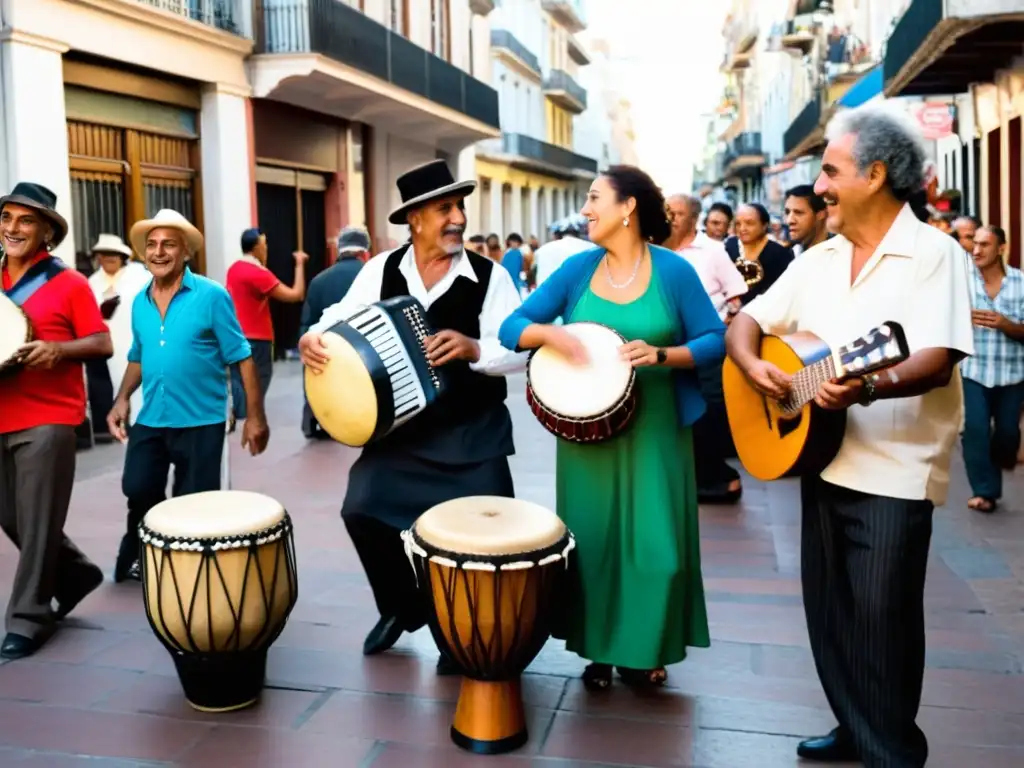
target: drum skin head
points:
(214, 514)
(581, 391)
(16, 329)
(343, 397)
(489, 525)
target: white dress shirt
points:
(500, 301)
(550, 256)
(716, 271)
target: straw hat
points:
(111, 244)
(165, 219)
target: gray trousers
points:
(37, 474)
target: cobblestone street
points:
(103, 692)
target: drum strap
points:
(38, 275)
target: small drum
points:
(15, 331)
(492, 568)
(218, 572)
(583, 403)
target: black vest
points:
(470, 423)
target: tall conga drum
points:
(492, 568)
(219, 577)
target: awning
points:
(864, 90)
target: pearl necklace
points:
(632, 277)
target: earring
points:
(625, 222)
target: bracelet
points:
(868, 393)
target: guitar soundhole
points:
(789, 422)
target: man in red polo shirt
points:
(43, 401)
(252, 286)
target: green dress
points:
(637, 595)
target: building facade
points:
(293, 115)
(535, 173)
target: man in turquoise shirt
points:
(185, 335)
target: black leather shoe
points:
(446, 666)
(19, 646)
(81, 590)
(837, 747)
(127, 569)
(384, 635)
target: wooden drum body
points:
(15, 332)
(587, 403)
(219, 576)
(493, 570)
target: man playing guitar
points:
(867, 520)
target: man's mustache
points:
(453, 231)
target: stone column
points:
(497, 214)
(516, 225)
(227, 176)
(536, 217)
(33, 123)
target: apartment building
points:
(534, 173)
(296, 115)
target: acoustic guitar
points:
(795, 437)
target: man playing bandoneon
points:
(459, 446)
(867, 520)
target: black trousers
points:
(386, 493)
(195, 453)
(712, 440)
(101, 393)
(863, 563)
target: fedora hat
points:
(106, 243)
(41, 199)
(425, 183)
(168, 219)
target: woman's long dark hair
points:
(629, 181)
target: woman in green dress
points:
(631, 501)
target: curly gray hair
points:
(885, 134)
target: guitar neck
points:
(807, 381)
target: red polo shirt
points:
(250, 286)
(64, 309)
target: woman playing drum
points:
(631, 501)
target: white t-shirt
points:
(917, 277)
(550, 256)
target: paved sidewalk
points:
(104, 691)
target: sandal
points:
(597, 677)
(981, 504)
(651, 678)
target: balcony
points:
(799, 35)
(521, 151)
(806, 131)
(941, 47)
(328, 57)
(743, 154)
(568, 13)
(565, 92)
(506, 46)
(577, 52)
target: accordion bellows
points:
(377, 377)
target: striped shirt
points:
(998, 360)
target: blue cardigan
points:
(699, 326)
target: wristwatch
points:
(662, 356)
(868, 395)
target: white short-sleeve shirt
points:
(917, 277)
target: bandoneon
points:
(586, 403)
(219, 577)
(377, 376)
(492, 568)
(15, 331)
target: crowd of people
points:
(858, 253)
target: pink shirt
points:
(716, 271)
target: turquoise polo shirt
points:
(184, 355)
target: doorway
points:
(292, 213)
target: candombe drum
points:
(219, 578)
(492, 568)
(15, 332)
(587, 403)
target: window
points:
(440, 29)
(398, 17)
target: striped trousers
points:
(863, 563)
